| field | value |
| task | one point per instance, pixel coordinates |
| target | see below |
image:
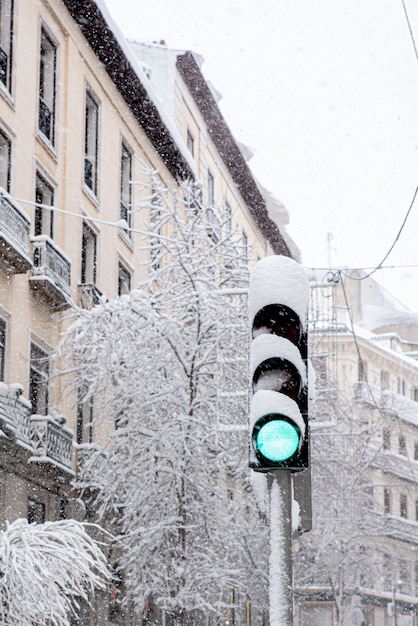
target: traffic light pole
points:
(281, 576)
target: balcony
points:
(52, 441)
(14, 237)
(51, 273)
(396, 464)
(91, 459)
(14, 413)
(401, 529)
(89, 296)
(392, 404)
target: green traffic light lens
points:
(277, 440)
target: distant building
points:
(364, 347)
(78, 120)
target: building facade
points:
(79, 122)
(360, 563)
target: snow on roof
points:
(152, 93)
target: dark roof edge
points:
(109, 52)
(229, 151)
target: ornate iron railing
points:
(15, 414)
(14, 231)
(50, 262)
(51, 441)
(387, 401)
(89, 296)
(90, 461)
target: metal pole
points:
(393, 604)
(281, 579)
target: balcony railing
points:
(14, 413)
(14, 236)
(90, 460)
(387, 401)
(51, 273)
(397, 465)
(51, 441)
(89, 296)
(402, 529)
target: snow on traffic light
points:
(278, 308)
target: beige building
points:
(79, 120)
(364, 346)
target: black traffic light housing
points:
(278, 307)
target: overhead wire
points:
(396, 239)
(410, 28)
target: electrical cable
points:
(410, 29)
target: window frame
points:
(91, 141)
(48, 54)
(124, 276)
(36, 512)
(43, 223)
(38, 379)
(125, 201)
(88, 270)
(84, 424)
(403, 505)
(6, 42)
(7, 161)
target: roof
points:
(229, 151)
(101, 34)
(113, 52)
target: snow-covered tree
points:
(341, 553)
(45, 570)
(166, 367)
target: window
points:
(228, 219)
(44, 218)
(190, 142)
(386, 440)
(384, 380)
(88, 256)
(84, 429)
(5, 161)
(38, 380)
(47, 86)
(244, 247)
(126, 185)
(402, 445)
(214, 225)
(36, 512)
(386, 502)
(2, 349)
(155, 242)
(362, 370)
(6, 39)
(211, 190)
(91, 137)
(403, 505)
(124, 280)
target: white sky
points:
(327, 96)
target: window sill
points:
(45, 142)
(91, 196)
(126, 239)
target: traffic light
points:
(278, 307)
